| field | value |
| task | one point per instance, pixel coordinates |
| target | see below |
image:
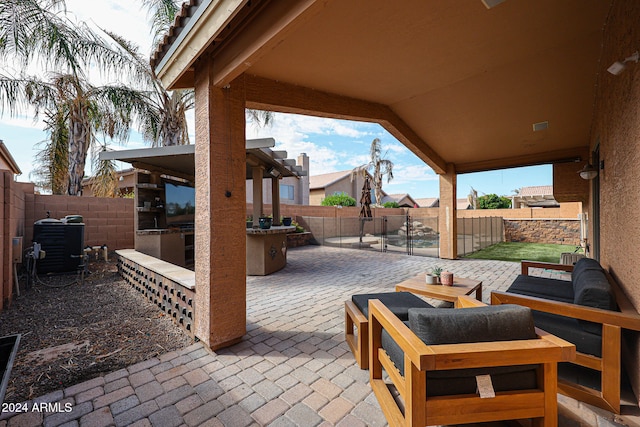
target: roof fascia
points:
(4, 152)
(208, 20)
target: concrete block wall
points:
(107, 221)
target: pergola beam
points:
(265, 94)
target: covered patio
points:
(468, 86)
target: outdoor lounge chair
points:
(432, 363)
(356, 319)
(590, 310)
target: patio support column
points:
(258, 203)
(220, 259)
(275, 200)
(447, 215)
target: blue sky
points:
(332, 145)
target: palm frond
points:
(104, 182)
(161, 14)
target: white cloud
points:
(407, 174)
(22, 122)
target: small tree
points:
(339, 199)
(493, 201)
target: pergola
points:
(465, 86)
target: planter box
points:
(8, 349)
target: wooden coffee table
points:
(461, 286)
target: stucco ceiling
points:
(469, 81)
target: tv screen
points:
(180, 204)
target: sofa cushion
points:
(592, 289)
(541, 287)
(475, 325)
(478, 324)
(582, 265)
(586, 340)
(398, 302)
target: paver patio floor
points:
(293, 368)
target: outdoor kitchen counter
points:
(267, 249)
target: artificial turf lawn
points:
(516, 252)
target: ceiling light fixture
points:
(588, 172)
(540, 126)
(274, 172)
(492, 3)
(618, 66)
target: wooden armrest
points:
(466, 301)
(597, 315)
(354, 312)
(412, 346)
(546, 348)
(526, 265)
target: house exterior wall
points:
(616, 129)
(300, 186)
(344, 185)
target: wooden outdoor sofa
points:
(590, 311)
(433, 384)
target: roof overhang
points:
(456, 82)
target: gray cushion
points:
(587, 340)
(476, 325)
(592, 289)
(398, 302)
(541, 287)
(582, 265)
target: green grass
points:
(516, 252)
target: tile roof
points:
(538, 190)
(325, 179)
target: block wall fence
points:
(111, 221)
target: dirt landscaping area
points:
(73, 332)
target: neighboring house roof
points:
(538, 190)
(539, 196)
(7, 159)
(324, 180)
(434, 202)
(463, 204)
(404, 200)
(428, 202)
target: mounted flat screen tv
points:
(180, 204)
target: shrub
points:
(493, 201)
(339, 199)
(391, 205)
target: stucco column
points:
(275, 200)
(447, 215)
(220, 260)
(258, 203)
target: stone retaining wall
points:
(299, 239)
(554, 231)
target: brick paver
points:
(293, 367)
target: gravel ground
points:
(73, 332)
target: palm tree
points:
(37, 30)
(379, 167)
